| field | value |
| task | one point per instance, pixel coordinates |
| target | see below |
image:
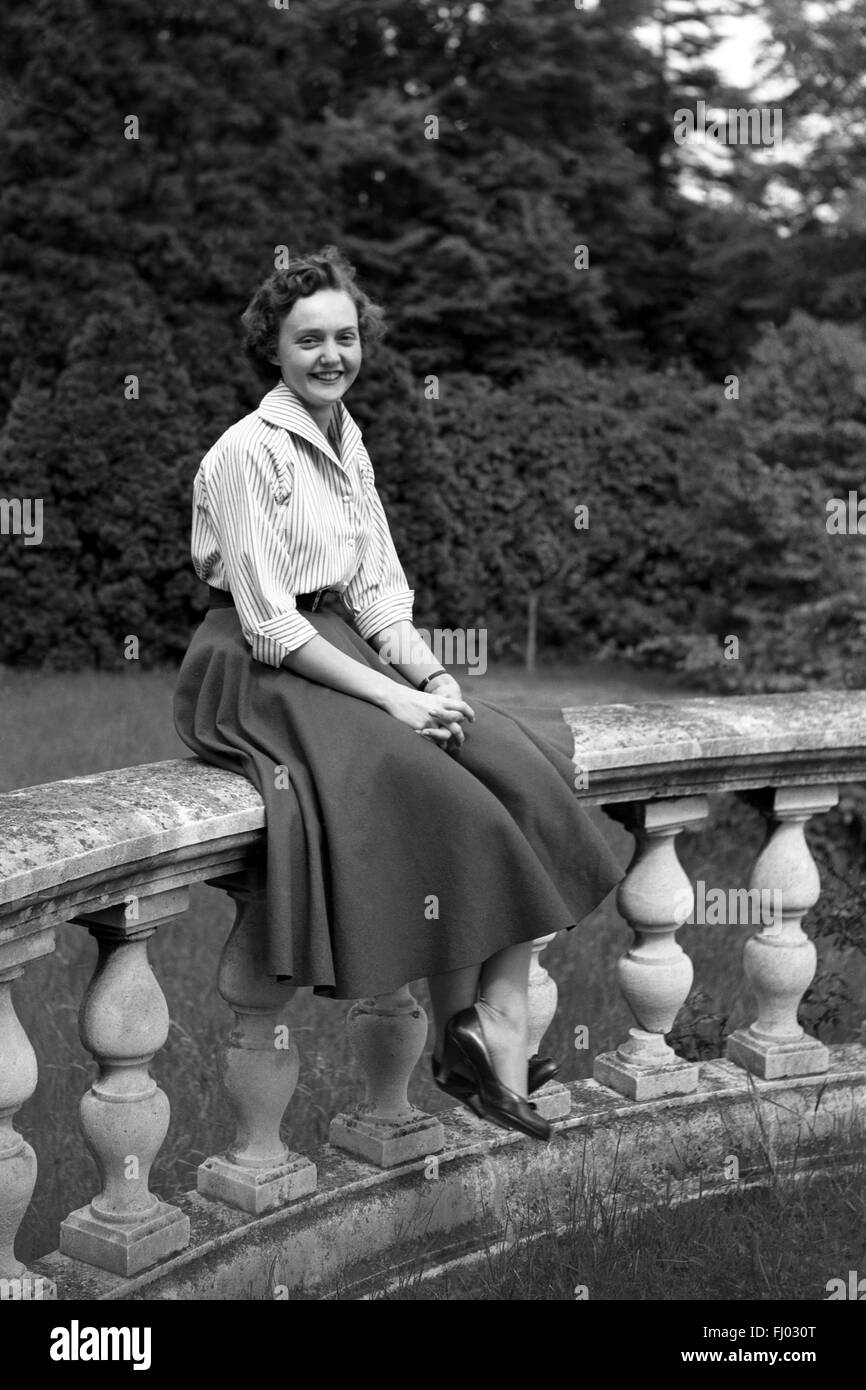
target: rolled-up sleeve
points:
(378, 593)
(245, 519)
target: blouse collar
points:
(283, 407)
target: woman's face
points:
(319, 348)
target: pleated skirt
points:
(388, 859)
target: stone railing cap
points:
(61, 831)
(607, 736)
(733, 741)
(83, 827)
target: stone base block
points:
(256, 1190)
(124, 1249)
(553, 1101)
(387, 1145)
(645, 1083)
(772, 1061)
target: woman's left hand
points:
(447, 685)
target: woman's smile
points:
(321, 329)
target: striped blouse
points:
(277, 512)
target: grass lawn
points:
(785, 1241)
(59, 726)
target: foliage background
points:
(262, 127)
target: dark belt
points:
(221, 598)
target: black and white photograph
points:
(432, 670)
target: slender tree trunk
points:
(531, 633)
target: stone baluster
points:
(387, 1036)
(124, 1115)
(18, 1076)
(780, 960)
(553, 1101)
(257, 1172)
(655, 974)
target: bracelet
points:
(431, 677)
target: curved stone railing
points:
(117, 853)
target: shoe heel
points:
(497, 1102)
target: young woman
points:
(409, 834)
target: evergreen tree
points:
(113, 449)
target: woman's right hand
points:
(438, 716)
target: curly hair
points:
(276, 296)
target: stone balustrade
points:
(117, 852)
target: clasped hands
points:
(437, 713)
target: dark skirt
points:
(388, 859)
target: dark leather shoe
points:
(467, 1051)
(541, 1070)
